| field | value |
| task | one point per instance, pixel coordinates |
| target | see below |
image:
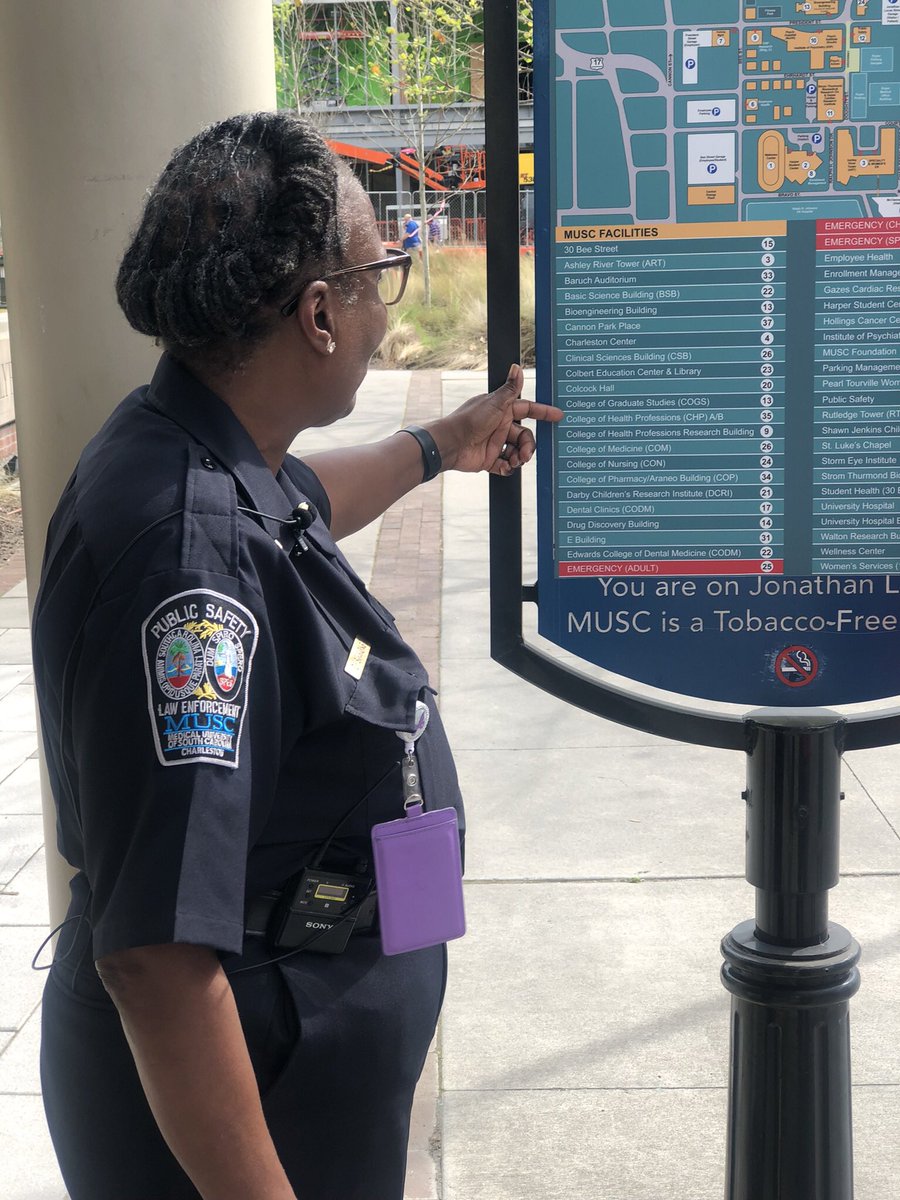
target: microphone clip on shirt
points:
(300, 520)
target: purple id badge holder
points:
(418, 869)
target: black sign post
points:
(791, 972)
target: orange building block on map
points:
(853, 165)
(831, 99)
(816, 42)
(819, 8)
(776, 163)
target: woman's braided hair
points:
(239, 212)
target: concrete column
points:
(94, 95)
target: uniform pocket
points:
(269, 1020)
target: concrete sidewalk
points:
(584, 1044)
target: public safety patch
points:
(198, 650)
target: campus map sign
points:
(720, 198)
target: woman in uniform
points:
(220, 698)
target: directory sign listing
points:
(720, 513)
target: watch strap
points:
(431, 456)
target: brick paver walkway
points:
(407, 571)
(12, 571)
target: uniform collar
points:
(181, 397)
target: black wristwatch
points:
(431, 456)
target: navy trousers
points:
(337, 1043)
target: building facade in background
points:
(355, 67)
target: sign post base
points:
(791, 974)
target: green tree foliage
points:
(324, 56)
(414, 60)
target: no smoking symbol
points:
(796, 667)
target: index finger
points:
(531, 410)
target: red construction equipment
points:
(463, 170)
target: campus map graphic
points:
(723, 339)
(727, 110)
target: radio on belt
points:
(322, 911)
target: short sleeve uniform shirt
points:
(212, 704)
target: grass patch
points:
(451, 334)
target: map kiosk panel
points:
(720, 208)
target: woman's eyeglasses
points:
(393, 272)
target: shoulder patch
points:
(198, 650)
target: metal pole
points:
(396, 99)
(501, 122)
(791, 973)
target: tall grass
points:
(452, 333)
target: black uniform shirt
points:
(211, 705)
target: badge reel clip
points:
(418, 867)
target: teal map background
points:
(629, 72)
(719, 512)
